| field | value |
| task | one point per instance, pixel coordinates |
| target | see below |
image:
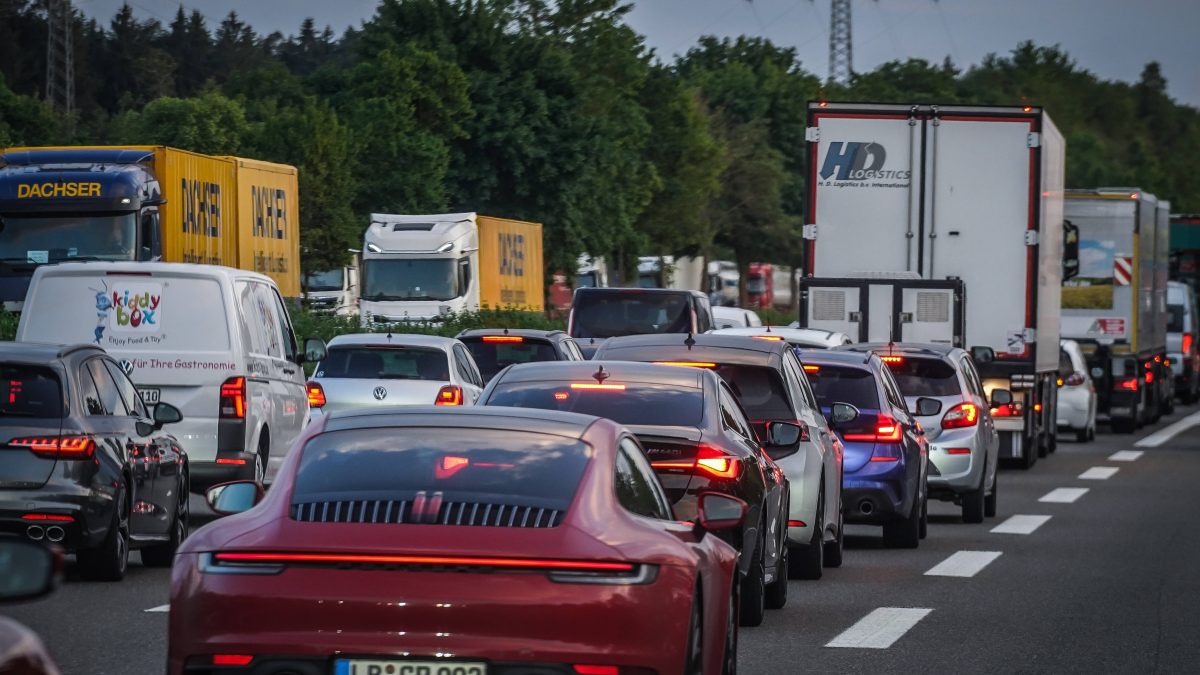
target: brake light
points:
(316, 395)
(773, 338)
(233, 398)
(692, 364)
(1187, 343)
(232, 659)
(597, 670)
(1149, 378)
(48, 516)
(449, 466)
(812, 369)
(58, 447)
(597, 387)
(1130, 384)
(503, 338)
(960, 416)
(230, 460)
(1158, 358)
(373, 559)
(892, 359)
(887, 430)
(708, 460)
(451, 394)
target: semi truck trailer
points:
(1116, 308)
(424, 267)
(145, 203)
(969, 194)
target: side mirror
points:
(983, 354)
(27, 570)
(716, 511)
(783, 433)
(926, 407)
(842, 413)
(234, 497)
(1001, 397)
(315, 350)
(165, 413)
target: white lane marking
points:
(1020, 525)
(1167, 433)
(1126, 455)
(1063, 495)
(160, 608)
(881, 628)
(1099, 473)
(963, 564)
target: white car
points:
(215, 342)
(808, 338)
(1077, 393)
(375, 369)
(734, 317)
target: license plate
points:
(149, 396)
(392, 667)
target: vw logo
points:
(380, 393)
(127, 366)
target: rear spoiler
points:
(662, 432)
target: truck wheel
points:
(1032, 452)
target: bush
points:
(8, 325)
(327, 326)
(774, 317)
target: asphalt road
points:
(1106, 583)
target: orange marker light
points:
(561, 396)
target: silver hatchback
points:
(943, 390)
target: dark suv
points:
(83, 465)
(601, 313)
(886, 459)
(495, 349)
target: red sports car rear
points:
(424, 542)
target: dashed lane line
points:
(1020, 525)
(1099, 473)
(1126, 455)
(1063, 495)
(1167, 433)
(160, 608)
(881, 628)
(963, 564)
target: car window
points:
(29, 391)
(89, 394)
(267, 313)
(573, 350)
(973, 382)
(285, 326)
(759, 389)
(110, 396)
(792, 365)
(129, 394)
(836, 384)
(732, 415)
(466, 368)
(627, 403)
(703, 315)
(382, 362)
(1065, 367)
(891, 389)
(924, 377)
(637, 490)
(252, 320)
(492, 356)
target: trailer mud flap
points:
(1012, 445)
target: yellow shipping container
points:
(269, 222)
(510, 264)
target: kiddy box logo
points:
(860, 164)
(128, 308)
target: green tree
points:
(209, 123)
(26, 121)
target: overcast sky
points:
(1112, 38)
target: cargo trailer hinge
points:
(812, 134)
(1033, 140)
(810, 231)
(1031, 237)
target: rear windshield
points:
(855, 386)
(925, 377)
(386, 363)
(605, 315)
(29, 391)
(637, 403)
(760, 391)
(1175, 318)
(492, 357)
(464, 465)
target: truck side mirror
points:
(1001, 397)
(983, 354)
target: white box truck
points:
(969, 193)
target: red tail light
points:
(708, 460)
(1149, 378)
(503, 338)
(48, 516)
(1187, 344)
(232, 659)
(812, 369)
(58, 447)
(960, 416)
(796, 523)
(316, 394)
(597, 387)
(1014, 409)
(450, 394)
(597, 670)
(958, 451)
(373, 559)
(233, 398)
(887, 430)
(1129, 384)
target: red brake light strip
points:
(476, 561)
(598, 387)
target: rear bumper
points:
(90, 515)
(877, 493)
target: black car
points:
(697, 438)
(494, 349)
(601, 313)
(83, 464)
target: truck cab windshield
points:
(325, 281)
(410, 279)
(48, 239)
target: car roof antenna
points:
(689, 342)
(600, 375)
(389, 335)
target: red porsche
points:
(472, 541)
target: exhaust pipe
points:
(866, 507)
(35, 532)
(55, 533)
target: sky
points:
(1112, 38)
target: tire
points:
(260, 458)
(906, 532)
(924, 518)
(833, 549)
(989, 502)
(810, 563)
(729, 662)
(1031, 456)
(1052, 439)
(163, 555)
(973, 502)
(777, 591)
(693, 663)
(754, 593)
(109, 560)
(1082, 435)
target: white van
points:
(215, 342)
